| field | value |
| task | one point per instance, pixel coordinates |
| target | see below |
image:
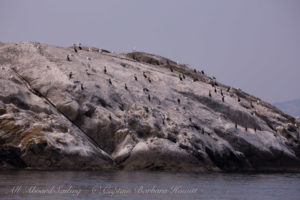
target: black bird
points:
(144, 75)
(235, 125)
(251, 105)
(70, 75)
(209, 94)
(183, 76)
(178, 100)
(149, 80)
(255, 129)
(105, 71)
(246, 128)
(223, 98)
(215, 90)
(145, 90)
(195, 70)
(109, 116)
(190, 119)
(228, 89)
(82, 86)
(222, 93)
(75, 49)
(202, 72)
(214, 77)
(135, 78)
(126, 88)
(171, 69)
(80, 48)
(239, 99)
(68, 58)
(180, 77)
(109, 81)
(146, 109)
(149, 98)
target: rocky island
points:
(86, 108)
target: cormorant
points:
(178, 100)
(135, 78)
(209, 94)
(144, 75)
(109, 81)
(180, 77)
(70, 75)
(68, 58)
(105, 71)
(126, 88)
(75, 49)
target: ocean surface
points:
(60, 185)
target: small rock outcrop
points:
(131, 111)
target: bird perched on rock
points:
(239, 99)
(195, 70)
(149, 80)
(70, 75)
(209, 94)
(183, 76)
(105, 71)
(235, 126)
(222, 93)
(215, 90)
(149, 98)
(75, 49)
(178, 100)
(68, 58)
(180, 78)
(202, 72)
(135, 78)
(171, 69)
(126, 88)
(80, 48)
(81, 86)
(109, 81)
(223, 98)
(144, 74)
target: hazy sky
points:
(253, 45)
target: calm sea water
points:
(61, 185)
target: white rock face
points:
(135, 111)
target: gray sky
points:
(253, 45)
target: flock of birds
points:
(180, 76)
